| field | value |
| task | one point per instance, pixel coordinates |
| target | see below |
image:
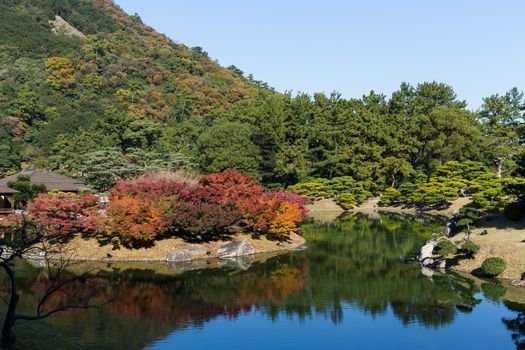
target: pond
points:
(351, 289)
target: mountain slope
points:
(52, 83)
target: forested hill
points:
(88, 90)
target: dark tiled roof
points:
(49, 179)
(7, 190)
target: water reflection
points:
(355, 262)
(516, 325)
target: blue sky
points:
(354, 46)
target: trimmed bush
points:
(346, 200)
(470, 248)
(390, 196)
(493, 266)
(445, 248)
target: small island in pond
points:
(161, 216)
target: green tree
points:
(448, 134)
(103, 167)
(502, 120)
(228, 145)
(26, 190)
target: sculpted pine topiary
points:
(346, 200)
(470, 248)
(390, 196)
(445, 248)
(493, 266)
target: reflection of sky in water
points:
(481, 329)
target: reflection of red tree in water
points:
(57, 292)
(197, 300)
(144, 306)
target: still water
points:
(350, 289)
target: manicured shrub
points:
(288, 211)
(262, 212)
(390, 196)
(470, 248)
(493, 266)
(346, 200)
(445, 248)
(346, 191)
(233, 184)
(65, 214)
(134, 221)
(136, 213)
(202, 214)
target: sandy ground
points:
(90, 249)
(504, 239)
(324, 210)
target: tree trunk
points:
(499, 168)
(8, 336)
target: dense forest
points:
(115, 99)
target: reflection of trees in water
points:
(355, 261)
(516, 325)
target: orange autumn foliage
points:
(135, 221)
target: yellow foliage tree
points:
(61, 73)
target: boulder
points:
(517, 283)
(440, 264)
(178, 255)
(425, 254)
(237, 248)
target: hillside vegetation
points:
(124, 100)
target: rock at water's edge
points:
(237, 248)
(178, 255)
(425, 254)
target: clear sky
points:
(477, 46)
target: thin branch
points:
(54, 311)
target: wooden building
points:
(7, 200)
(51, 180)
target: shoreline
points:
(176, 250)
(325, 210)
(503, 238)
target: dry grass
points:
(505, 240)
(324, 210)
(91, 249)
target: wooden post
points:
(11, 200)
